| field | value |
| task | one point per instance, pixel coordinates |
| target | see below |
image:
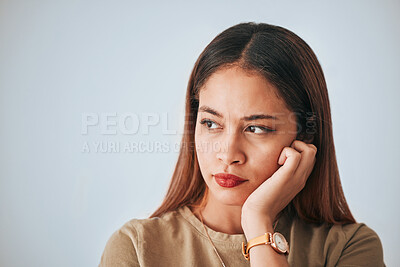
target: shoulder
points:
(353, 244)
(362, 246)
(122, 247)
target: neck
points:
(220, 217)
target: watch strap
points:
(267, 239)
(260, 240)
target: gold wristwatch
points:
(276, 240)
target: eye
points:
(259, 129)
(208, 123)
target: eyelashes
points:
(208, 124)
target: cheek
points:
(206, 146)
(267, 157)
(204, 151)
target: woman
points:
(256, 182)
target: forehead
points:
(236, 91)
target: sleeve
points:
(364, 248)
(120, 249)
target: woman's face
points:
(230, 139)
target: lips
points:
(228, 180)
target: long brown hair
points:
(289, 64)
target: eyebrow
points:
(246, 118)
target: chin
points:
(229, 196)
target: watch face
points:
(280, 242)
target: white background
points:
(60, 60)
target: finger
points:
(285, 184)
(290, 159)
(302, 146)
(308, 158)
(308, 150)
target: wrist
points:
(256, 226)
(250, 214)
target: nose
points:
(231, 151)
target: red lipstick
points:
(228, 180)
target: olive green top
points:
(178, 239)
